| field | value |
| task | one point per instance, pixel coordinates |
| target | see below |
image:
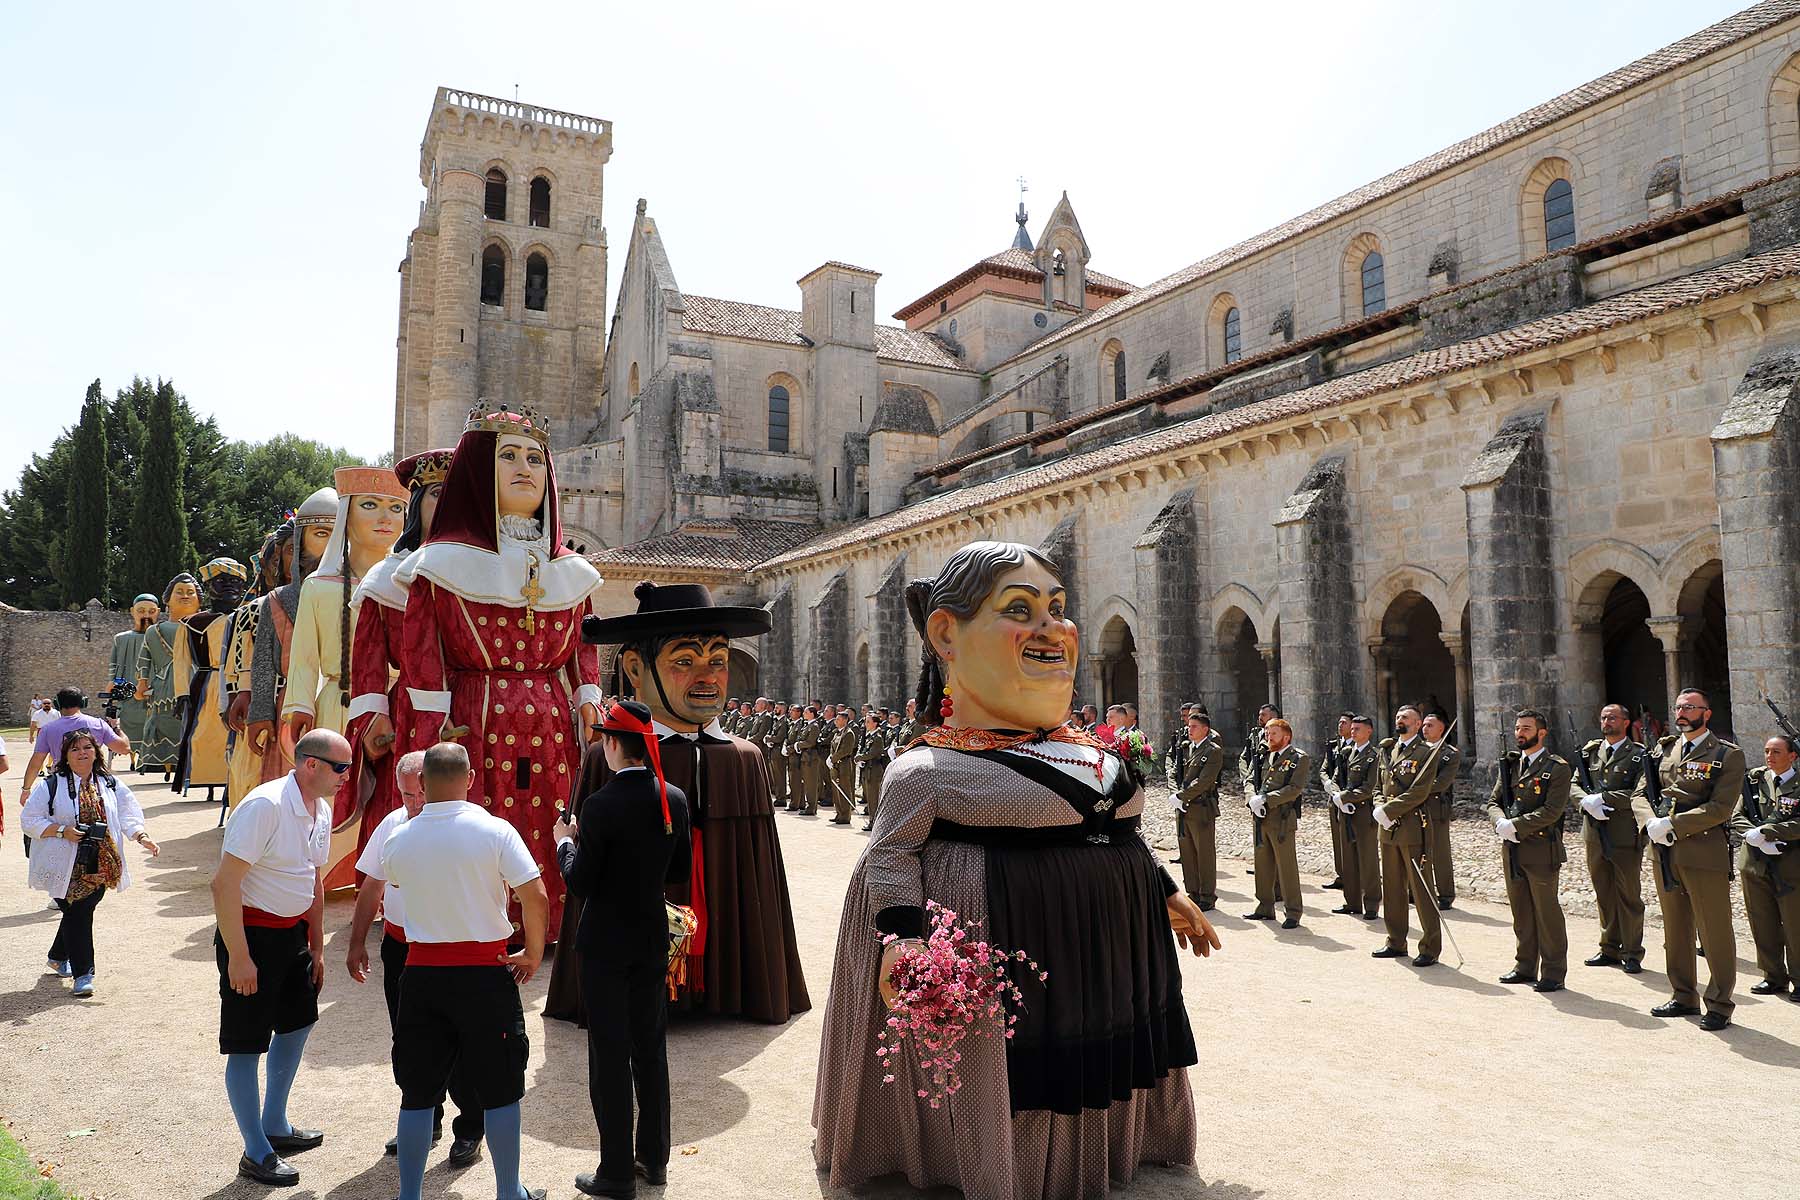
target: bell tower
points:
(503, 286)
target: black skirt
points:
(1087, 904)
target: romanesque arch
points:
(1783, 118)
(1116, 663)
(1413, 665)
(1243, 673)
(1224, 331)
(1701, 654)
(745, 670)
(1113, 379)
(1548, 170)
(1364, 277)
(783, 414)
(1399, 581)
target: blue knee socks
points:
(502, 1127)
(240, 1089)
(414, 1137)
(284, 1064)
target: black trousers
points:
(468, 1122)
(466, 1019)
(628, 1022)
(75, 934)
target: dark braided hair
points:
(344, 636)
(960, 588)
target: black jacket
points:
(619, 864)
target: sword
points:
(1425, 891)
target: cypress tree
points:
(159, 531)
(84, 574)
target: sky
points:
(220, 194)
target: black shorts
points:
(285, 999)
(467, 1019)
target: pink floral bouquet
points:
(1136, 749)
(950, 987)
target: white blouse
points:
(53, 860)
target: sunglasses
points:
(337, 767)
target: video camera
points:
(120, 691)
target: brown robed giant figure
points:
(676, 651)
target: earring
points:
(945, 708)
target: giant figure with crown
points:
(491, 652)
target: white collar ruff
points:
(490, 577)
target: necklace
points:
(987, 739)
(1098, 766)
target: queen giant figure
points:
(491, 652)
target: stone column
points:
(1676, 635)
(1271, 656)
(1465, 716)
(1381, 656)
(1756, 475)
(1512, 605)
(1320, 665)
(456, 316)
(1168, 562)
(1098, 697)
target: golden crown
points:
(424, 469)
(488, 416)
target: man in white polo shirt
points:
(376, 892)
(459, 995)
(270, 944)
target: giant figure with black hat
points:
(675, 649)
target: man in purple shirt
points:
(70, 701)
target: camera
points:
(87, 850)
(121, 690)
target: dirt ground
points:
(1324, 1073)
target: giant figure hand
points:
(239, 711)
(261, 733)
(378, 738)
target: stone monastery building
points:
(1516, 424)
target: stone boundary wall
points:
(43, 651)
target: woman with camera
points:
(81, 817)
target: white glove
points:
(1595, 806)
(1259, 804)
(1337, 801)
(1506, 830)
(1759, 837)
(1754, 837)
(1382, 818)
(1179, 806)
(1661, 831)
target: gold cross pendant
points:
(532, 591)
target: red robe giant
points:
(376, 686)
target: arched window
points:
(778, 419)
(540, 202)
(537, 283)
(1234, 342)
(1374, 284)
(495, 207)
(1559, 215)
(493, 276)
(1112, 372)
(1119, 376)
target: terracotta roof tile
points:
(1549, 331)
(1011, 261)
(759, 322)
(1714, 37)
(733, 545)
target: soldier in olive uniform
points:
(811, 744)
(1172, 761)
(1352, 790)
(1607, 775)
(1197, 810)
(1277, 809)
(910, 729)
(1408, 773)
(841, 786)
(733, 714)
(1701, 779)
(774, 744)
(1768, 820)
(1440, 811)
(1531, 792)
(796, 767)
(1328, 770)
(871, 763)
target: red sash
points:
(397, 932)
(456, 954)
(258, 919)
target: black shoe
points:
(1675, 1008)
(1387, 952)
(1207, 905)
(296, 1139)
(1794, 997)
(1446, 904)
(1767, 987)
(1336, 883)
(1602, 959)
(1256, 916)
(464, 1151)
(869, 827)
(271, 1170)
(1713, 1022)
(1547, 985)
(1425, 960)
(1349, 910)
(1291, 923)
(1371, 914)
(393, 1143)
(589, 1183)
(845, 821)
(1631, 966)
(655, 1176)
(1517, 976)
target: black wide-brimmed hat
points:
(675, 608)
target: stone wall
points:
(43, 651)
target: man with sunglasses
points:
(269, 898)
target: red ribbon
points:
(620, 720)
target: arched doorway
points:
(1704, 658)
(1413, 666)
(1118, 664)
(1634, 669)
(743, 675)
(1245, 674)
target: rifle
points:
(1650, 762)
(1333, 773)
(1781, 719)
(1753, 798)
(1257, 765)
(1587, 782)
(1509, 804)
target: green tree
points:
(84, 574)
(158, 547)
(32, 529)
